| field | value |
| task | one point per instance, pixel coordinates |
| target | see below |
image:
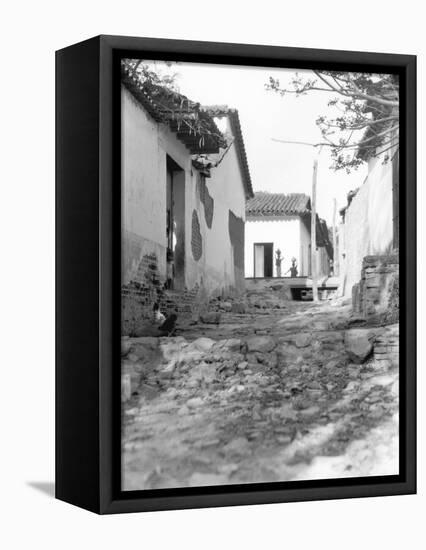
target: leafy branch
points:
(367, 123)
(172, 106)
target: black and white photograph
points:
(259, 274)
(212, 289)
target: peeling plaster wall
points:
(216, 269)
(368, 226)
(143, 201)
(145, 147)
(236, 233)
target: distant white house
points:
(275, 221)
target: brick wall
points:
(139, 295)
(147, 288)
(376, 296)
(183, 302)
(386, 346)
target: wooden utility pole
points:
(314, 274)
(314, 232)
(335, 251)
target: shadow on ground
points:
(46, 487)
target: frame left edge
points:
(77, 283)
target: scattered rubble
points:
(295, 394)
(210, 318)
(359, 343)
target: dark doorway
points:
(263, 259)
(175, 224)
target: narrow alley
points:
(259, 390)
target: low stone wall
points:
(147, 287)
(183, 302)
(386, 346)
(138, 301)
(294, 288)
(376, 297)
(273, 283)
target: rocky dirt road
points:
(277, 393)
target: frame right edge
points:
(408, 277)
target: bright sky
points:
(274, 167)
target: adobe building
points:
(369, 243)
(184, 184)
(282, 222)
(370, 220)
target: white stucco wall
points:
(291, 236)
(286, 234)
(216, 266)
(368, 226)
(144, 149)
(145, 146)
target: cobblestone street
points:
(283, 390)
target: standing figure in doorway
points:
(278, 261)
(170, 269)
(293, 269)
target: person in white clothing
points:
(159, 317)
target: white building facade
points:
(277, 222)
(183, 203)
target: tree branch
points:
(356, 93)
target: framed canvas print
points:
(236, 284)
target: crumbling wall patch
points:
(376, 296)
(196, 238)
(236, 235)
(207, 201)
(139, 295)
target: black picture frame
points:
(88, 275)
